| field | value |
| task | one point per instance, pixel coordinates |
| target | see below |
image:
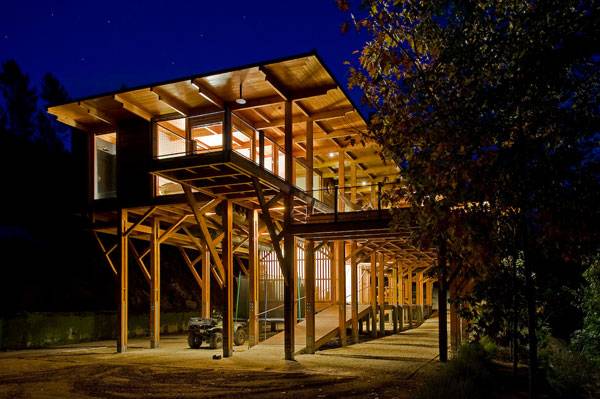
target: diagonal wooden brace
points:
(270, 227)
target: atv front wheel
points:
(194, 340)
(216, 341)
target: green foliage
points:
(467, 376)
(569, 373)
(491, 109)
(587, 339)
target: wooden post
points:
(254, 270)
(155, 284)
(309, 158)
(372, 294)
(206, 278)
(227, 129)
(354, 291)
(419, 289)
(227, 260)
(261, 148)
(394, 295)
(124, 283)
(341, 180)
(429, 292)
(333, 277)
(409, 291)
(381, 293)
(289, 297)
(341, 278)
(309, 286)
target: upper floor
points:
(285, 123)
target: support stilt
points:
(253, 322)
(227, 260)
(124, 282)
(155, 284)
(354, 292)
(309, 284)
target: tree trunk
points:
(442, 301)
(531, 315)
(515, 321)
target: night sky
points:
(94, 47)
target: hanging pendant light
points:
(241, 100)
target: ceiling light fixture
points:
(241, 100)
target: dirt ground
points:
(388, 367)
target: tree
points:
(488, 107)
(52, 133)
(20, 99)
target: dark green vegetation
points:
(50, 261)
(491, 109)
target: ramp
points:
(326, 328)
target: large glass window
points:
(105, 166)
(170, 138)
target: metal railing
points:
(346, 199)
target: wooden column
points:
(309, 286)
(289, 297)
(341, 180)
(227, 129)
(309, 157)
(409, 293)
(354, 291)
(261, 148)
(206, 278)
(429, 292)
(381, 294)
(333, 277)
(227, 259)
(419, 288)
(341, 278)
(372, 294)
(123, 284)
(254, 271)
(155, 284)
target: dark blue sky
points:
(95, 47)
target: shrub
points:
(467, 376)
(570, 374)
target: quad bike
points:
(211, 332)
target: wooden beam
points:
(258, 103)
(227, 253)
(341, 291)
(133, 108)
(381, 293)
(354, 291)
(275, 83)
(140, 262)
(191, 267)
(173, 229)
(169, 99)
(270, 225)
(198, 214)
(206, 309)
(373, 294)
(106, 254)
(123, 312)
(320, 116)
(254, 277)
(97, 113)
(290, 247)
(140, 221)
(206, 92)
(309, 287)
(155, 285)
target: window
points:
(170, 138)
(105, 166)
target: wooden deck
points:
(326, 328)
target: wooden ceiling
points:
(317, 97)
